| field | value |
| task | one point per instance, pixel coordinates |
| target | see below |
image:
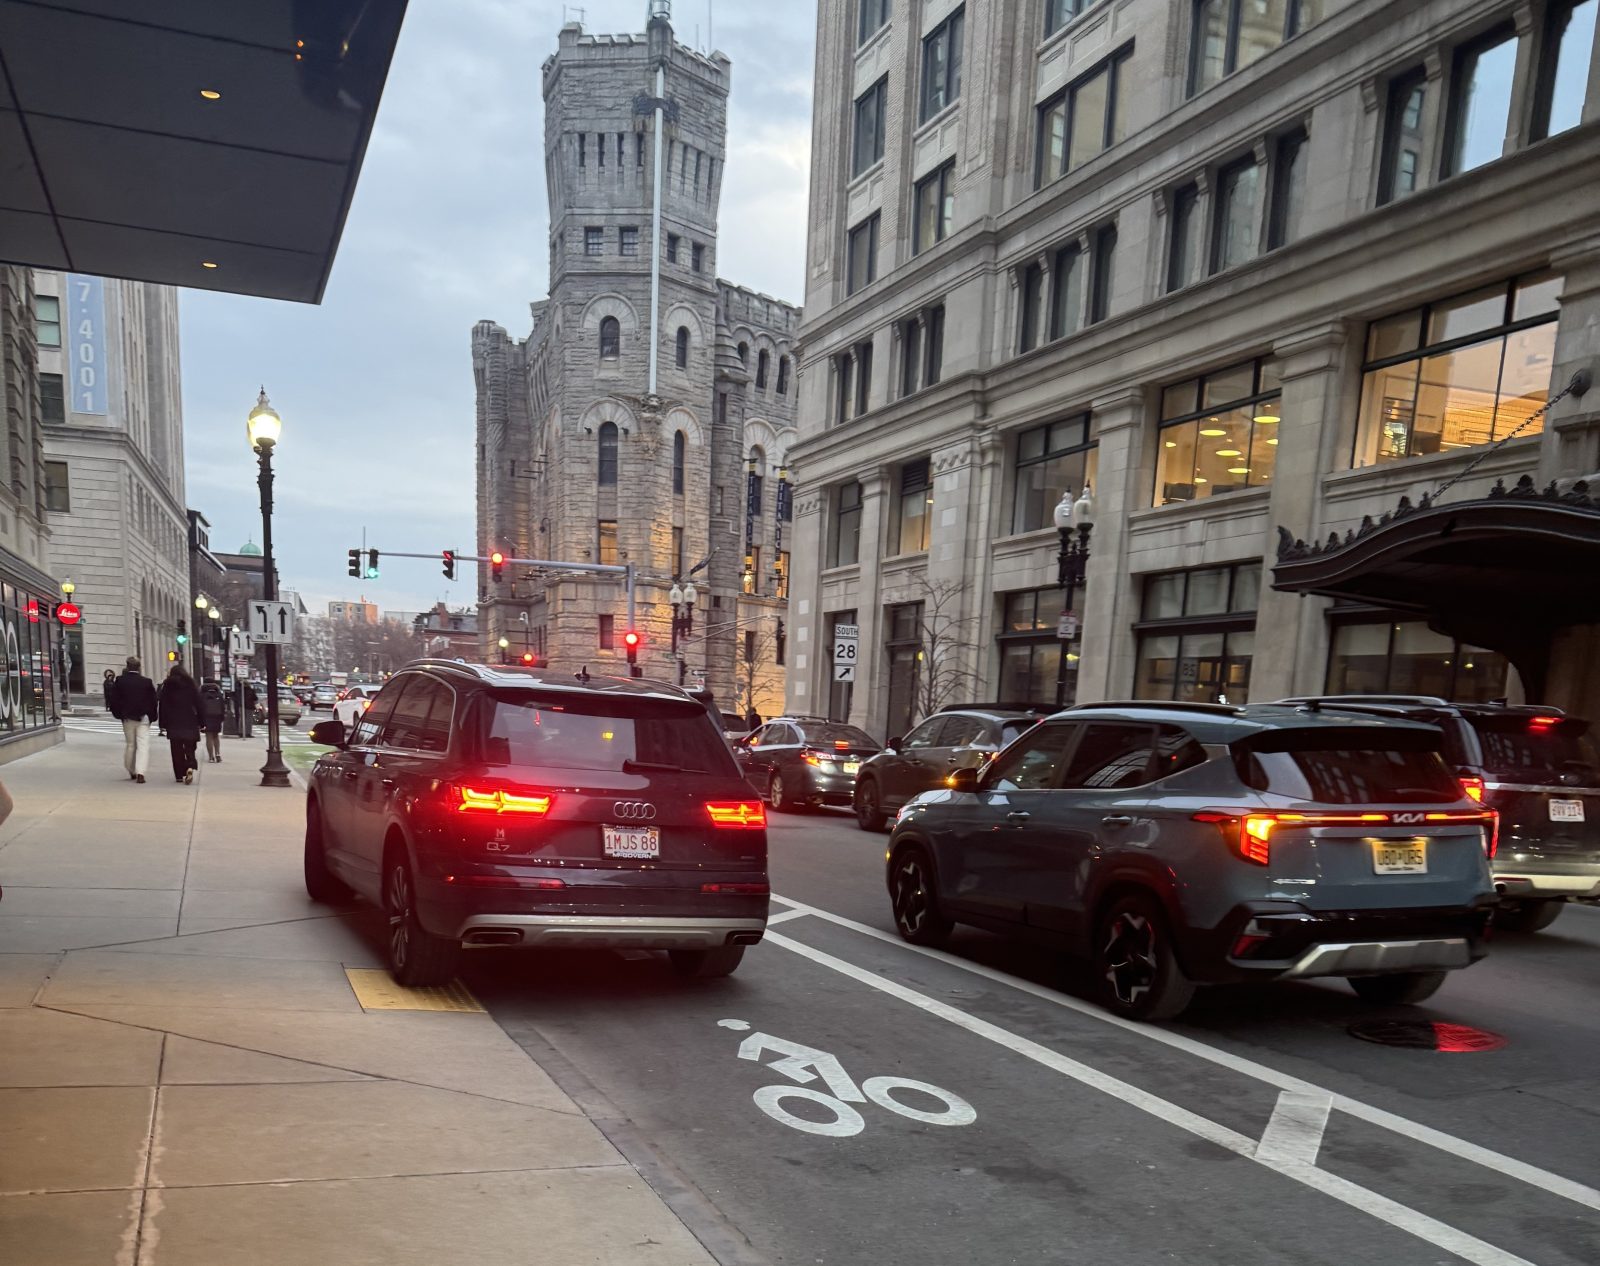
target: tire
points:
(869, 809)
(1136, 968)
(1399, 989)
(914, 899)
(321, 883)
(777, 795)
(707, 964)
(1527, 916)
(416, 956)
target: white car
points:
(354, 701)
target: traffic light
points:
(497, 563)
(449, 564)
(355, 563)
(183, 634)
(529, 659)
(172, 657)
(372, 564)
(630, 643)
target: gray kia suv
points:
(1172, 845)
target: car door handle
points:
(350, 775)
(388, 784)
(1117, 819)
(1018, 816)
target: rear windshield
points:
(517, 728)
(1016, 729)
(838, 734)
(1517, 749)
(1348, 766)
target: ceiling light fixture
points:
(1212, 432)
(206, 263)
(1228, 452)
(211, 94)
(1238, 470)
(1265, 418)
(1273, 440)
(1172, 443)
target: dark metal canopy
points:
(117, 159)
(1505, 571)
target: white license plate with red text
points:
(632, 841)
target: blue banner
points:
(86, 344)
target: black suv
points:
(961, 736)
(488, 806)
(1539, 768)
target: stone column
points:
(1108, 602)
(867, 698)
(1571, 445)
(807, 635)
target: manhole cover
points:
(1425, 1035)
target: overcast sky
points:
(450, 226)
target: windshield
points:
(518, 728)
(848, 734)
(1517, 748)
(1338, 766)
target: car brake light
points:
(1542, 723)
(500, 800)
(811, 758)
(1473, 787)
(841, 745)
(748, 890)
(737, 815)
(1492, 836)
(1250, 835)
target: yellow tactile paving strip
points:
(377, 991)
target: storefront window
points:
(1196, 634)
(1218, 433)
(1051, 460)
(1409, 658)
(1460, 373)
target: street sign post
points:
(846, 638)
(272, 623)
(1067, 626)
(241, 644)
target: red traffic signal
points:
(497, 562)
(529, 658)
(631, 639)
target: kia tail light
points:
(500, 800)
(1472, 786)
(1250, 835)
(737, 815)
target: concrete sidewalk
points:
(187, 1077)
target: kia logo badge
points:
(634, 811)
(1401, 819)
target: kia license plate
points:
(1400, 857)
(632, 841)
(1566, 810)
(854, 767)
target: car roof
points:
(1420, 706)
(996, 713)
(1223, 723)
(515, 677)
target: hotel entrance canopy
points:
(188, 142)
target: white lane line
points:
(1555, 1184)
(1294, 1135)
(785, 916)
(1440, 1234)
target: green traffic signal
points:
(183, 639)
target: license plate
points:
(854, 766)
(1406, 857)
(1566, 810)
(632, 841)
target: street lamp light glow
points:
(263, 424)
(201, 602)
(68, 588)
(505, 642)
(214, 614)
(1083, 508)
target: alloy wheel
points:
(775, 791)
(867, 812)
(910, 896)
(399, 916)
(1130, 956)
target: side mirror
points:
(893, 745)
(963, 780)
(329, 733)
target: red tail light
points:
(747, 890)
(1542, 723)
(737, 815)
(1493, 835)
(841, 745)
(811, 758)
(499, 800)
(1249, 835)
(1473, 787)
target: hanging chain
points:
(1579, 384)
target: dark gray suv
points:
(1176, 845)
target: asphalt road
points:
(1257, 1130)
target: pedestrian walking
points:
(752, 719)
(212, 707)
(108, 683)
(133, 702)
(179, 710)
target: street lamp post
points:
(505, 645)
(682, 596)
(1073, 520)
(197, 643)
(264, 426)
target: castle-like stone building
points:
(590, 450)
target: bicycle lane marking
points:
(1554, 1184)
(1441, 1235)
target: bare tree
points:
(948, 669)
(759, 673)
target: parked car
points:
(289, 712)
(303, 694)
(953, 738)
(1174, 845)
(799, 762)
(1539, 769)
(324, 695)
(482, 807)
(354, 700)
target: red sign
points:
(68, 613)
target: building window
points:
(1066, 291)
(1373, 654)
(844, 543)
(1218, 433)
(607, 468)
(840, 693)
(608, 637)
(610, 338)
(1480, 101)
(1051, 460)
(677, 551)
(1458, 373)
(52, 399)
(752, 575)
(763, 361)
(697, 257)
(679, 445)
(628, 240)
(780, 571)
(744, 354)
(1196, 634)
(843, 367)
(1404, 142)
(681, 350)
(1057, 13)
(935, 208)
(47, 320)
(606, 541)
(1079, 121)
(783, 375)
(672, 248)
(910, 356)
(1030, 651)
(915, 509)
(583, 150)
(1236, 220)
(1289, 158)
(1564, 77)
(1183, 259)
(903, 649)
(57, 493)
(941, 66)
(933, 353)
(867, 146)
(594, 240)
(1229, 35)
(1030, 321)
(863, 359)
(871, 17)
(863, 255)
(1104, 274)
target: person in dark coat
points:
(133, 702)
(752, 720)
(211, 712)
(179, 714)
(108, 683)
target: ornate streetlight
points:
(264, 426)
(682, 596)
(1074, 520)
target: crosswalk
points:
(288, 736)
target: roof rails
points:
(1000, 707)
(1158, 705)
(1429, 701)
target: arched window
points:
(678, 446)
(608, 455)
(762, 361)
(744, 354)
(783, 375)
(683, 347)
(610, 338)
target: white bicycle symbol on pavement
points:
(804, 1064)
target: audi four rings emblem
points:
(634, 810)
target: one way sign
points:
(272, 622)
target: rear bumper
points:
(593, 931)
(820, 788)
(1374, 958)
(1549, 881)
